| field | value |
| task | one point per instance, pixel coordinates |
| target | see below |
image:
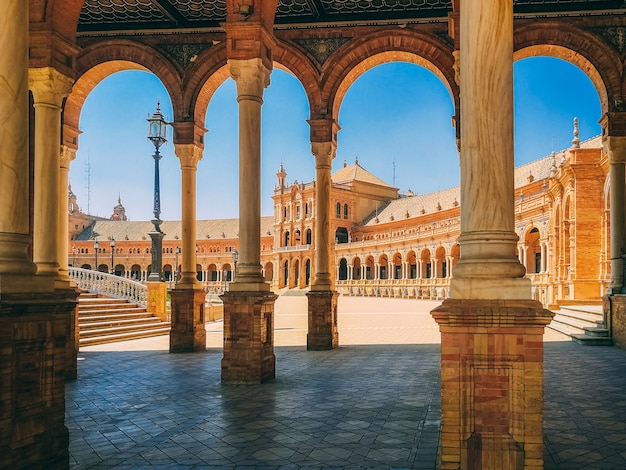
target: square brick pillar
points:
(248, 337)
(491, 383)
(73, 336)
(33, 343)
(323, 333)
(614, 309)
(188, 333)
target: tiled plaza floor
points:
(372, 403)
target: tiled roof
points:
(356, 172)
(413, 205)
(138, 230)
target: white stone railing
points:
(109, 285)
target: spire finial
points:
(356, 160)
(119, 198)
(345, 163)
(576, 140)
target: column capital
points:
(324, 130)
(251, 77)
(615, 148)
(49, 86)
(189, 155)
(68, 155)
(324, 153)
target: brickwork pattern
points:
(323, 333)
(188, 333)
(248, 337)
(491, 383)
(33, 335)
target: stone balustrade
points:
(109, 285)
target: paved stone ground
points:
(373, 403)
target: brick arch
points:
(596, 59)
(341, 72)
(96, 63)
(62, 15)
(201, 81)
(292, 60)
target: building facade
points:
(388, 244)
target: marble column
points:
(67, 156)
(15, 264)
(488, 268)
(188, 333)
(49, 88)
(251, 77)
(249, 304)
(322, 299)
(491, 330)
(33, 316)
(615, 147)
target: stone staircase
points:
(106, 320)
(583, 323)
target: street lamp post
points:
(235, 254)
(95, 249)
(157, 134)
(112, 242)
(176, 252)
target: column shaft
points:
(14, 187)
(189, 156)
(251, 77)
(49, 88)
(67, 156)
(618, 218)
(488, 268)
(324, 153)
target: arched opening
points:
(307, 272)
(533, 251)
(369, 268)
(383, 266)
(308, 236)
(343, 269)
(441, 264)
(212, 272)
(412, 263)
(167, 272)
(286, 273)
(199, 272)
(268, 274)
(135, 272)
(356, 269)
(296, 273)
(397, 266)
(426, 265)
(341, 235)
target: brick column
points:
(188, 332)
(491, 332)
(322, 298)
(49, 88)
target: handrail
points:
(109, 285)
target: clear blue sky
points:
(395, 112)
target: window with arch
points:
(308, 236)
(285, 213)
(307, 211)
(298, 211)
(345, 211)
(338, 210)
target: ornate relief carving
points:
(614, 35)
(322, 49)
(184, 54)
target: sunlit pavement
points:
(372, 403)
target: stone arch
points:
(411, 259)
(62, 15)
(441, 267)
(426, 264)
(597, 60)
(356, 268)
(383, 267)
(532, 235)
(397, 266)
(268, 273)
(363, 54)
(96, 63)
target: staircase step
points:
(108, 331)
(114, 322)
(580, 323)
(117, 311)
(84, 319)
(592, 341)
(597, 332)
(123, 337)
(565, 328)
(107, 306)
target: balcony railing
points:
(109, 285)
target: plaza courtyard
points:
(372, 403)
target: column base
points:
(323, 332)
(34, 330)
(157, 299)
(491, 383)
(248, 337)
(188, 333)
(490, 288)
(614, 307)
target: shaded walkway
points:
(359, 406)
